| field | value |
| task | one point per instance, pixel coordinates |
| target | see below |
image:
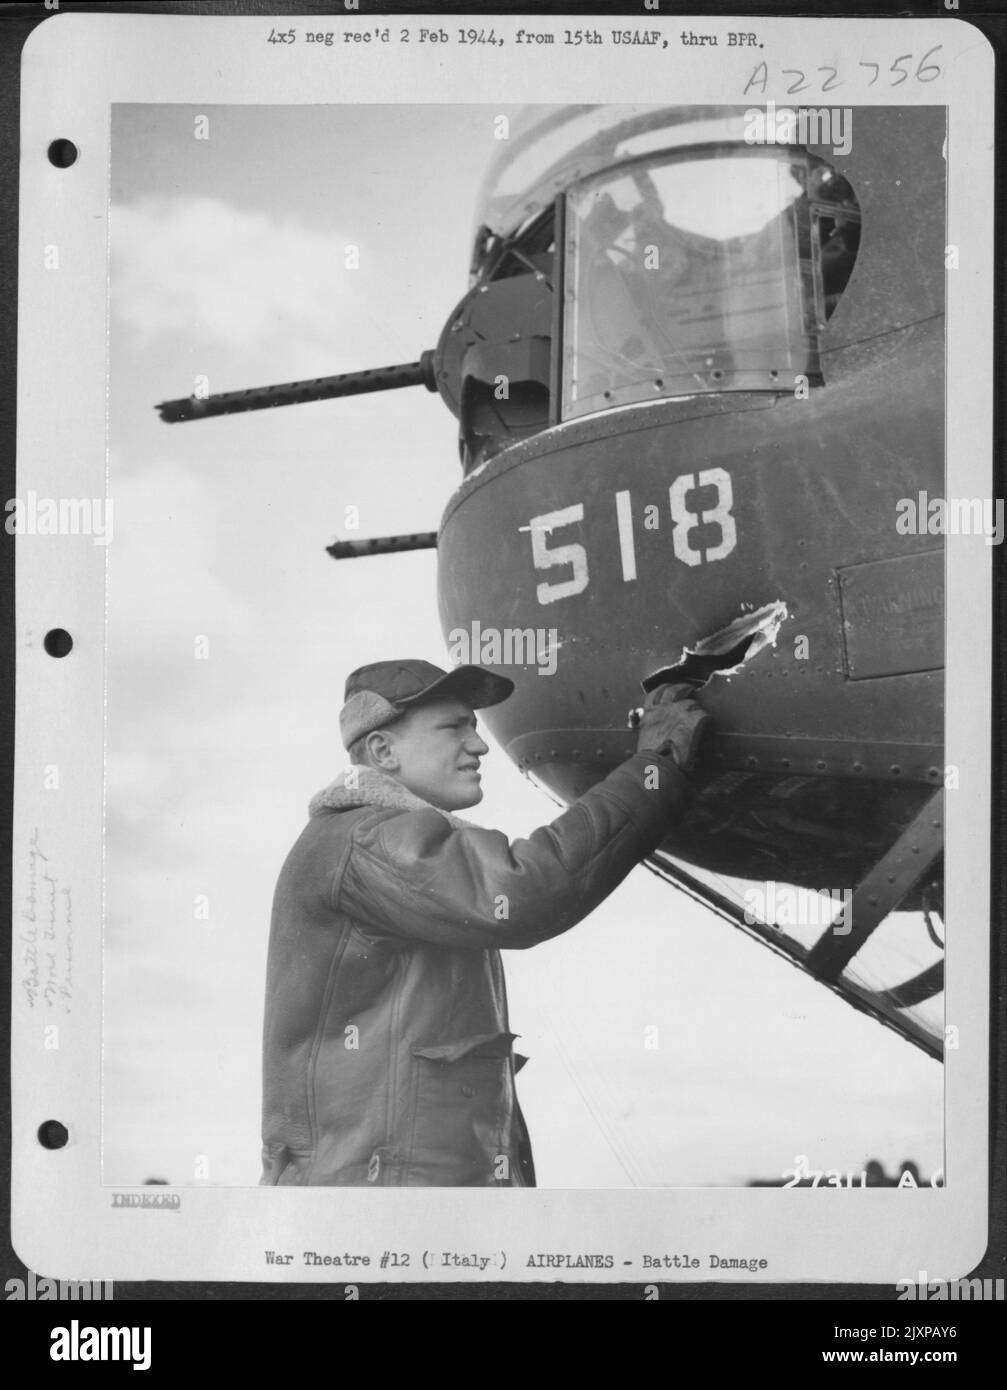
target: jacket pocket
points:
(461, 1131)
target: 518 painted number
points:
(684, 523)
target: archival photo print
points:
(525, 648)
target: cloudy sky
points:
(231, 633)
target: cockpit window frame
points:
(814, 313)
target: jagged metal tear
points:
(725, 652)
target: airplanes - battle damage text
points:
(434, 1260)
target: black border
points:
(16, 23)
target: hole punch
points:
(58, 642)
(52, 1134)
(62, 153)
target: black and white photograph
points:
(688, 506)
(517, 581)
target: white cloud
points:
(226, 276)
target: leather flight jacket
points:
(387, 1054)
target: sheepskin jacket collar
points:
(365, 786)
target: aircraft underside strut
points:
(916, 852)
(883, 888)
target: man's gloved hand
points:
(673, 723)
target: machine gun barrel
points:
(320, 388)
(382, 545)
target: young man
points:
(387, 1048)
